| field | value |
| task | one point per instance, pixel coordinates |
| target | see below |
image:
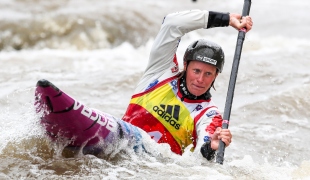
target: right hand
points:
(239, 22)
(220, 134)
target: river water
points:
(96, 50)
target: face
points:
(199, 77)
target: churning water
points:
(96, 50)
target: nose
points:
(200, 78)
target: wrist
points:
(218, 19)
(206, 149)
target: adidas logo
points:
(169, 113)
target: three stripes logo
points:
(169, 113)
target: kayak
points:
(69, 121)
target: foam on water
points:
(270, 117)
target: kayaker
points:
(174, 106)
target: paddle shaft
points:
(232, 82)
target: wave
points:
(39, 158)
(273, 129)
(77, 25)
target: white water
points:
(97, 50)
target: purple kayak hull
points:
(63, 117)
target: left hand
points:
(239, 22)
(220, 134)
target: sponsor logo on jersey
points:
(175, 69)
(212, 113)
(206, 59)
(198, 108)
(152, 84)
(175, 61)
(174, 84)
(169, 113)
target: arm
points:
(165, 45)
(174, 26)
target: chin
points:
(197, 94)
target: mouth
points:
(197, 86)
(197, 90)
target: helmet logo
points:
(206, 59)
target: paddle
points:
(232, 81)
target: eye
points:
(208, 73)
(196, 71)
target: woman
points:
(175, 107)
